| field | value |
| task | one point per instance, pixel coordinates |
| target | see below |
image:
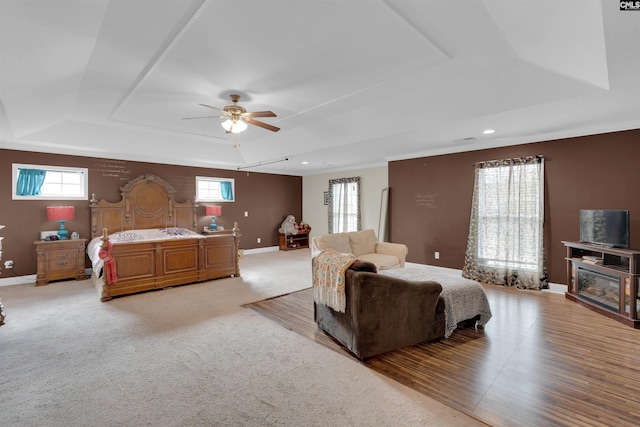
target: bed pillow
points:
(338, 242)
(363, 242)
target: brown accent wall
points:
(430, 197)
(268, 198)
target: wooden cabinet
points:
(290, 242)
(606, 280)
(60, 259)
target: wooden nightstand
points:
(60, 259)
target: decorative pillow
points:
(338, 242)
(363, 242)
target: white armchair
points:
(365, 246)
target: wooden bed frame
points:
(148, 202)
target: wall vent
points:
(468, 140)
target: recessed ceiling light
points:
(305, 163)
(488, 131)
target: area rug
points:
(184, 356)
(413, 366)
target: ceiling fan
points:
(238, 117)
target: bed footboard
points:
(143, 266)
(148, 202)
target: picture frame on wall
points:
(326, 197)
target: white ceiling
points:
(353, 83)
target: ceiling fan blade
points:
(261, 114)
(211, 106)
(203, 117)
(262, 125)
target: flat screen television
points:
(605, 227)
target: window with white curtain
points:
(344, 205)
(493, 219)
(506, 232)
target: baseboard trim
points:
(21, 280)
(261, 250)
(31, 278)
(18, 280)
(556, 288)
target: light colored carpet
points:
(188, 356)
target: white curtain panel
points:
(506, 231)
(344, 205)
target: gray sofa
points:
(383, 313)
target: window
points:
(215, 189)
(493, 218)
(506, 232)
(38, 182)
(344, 205)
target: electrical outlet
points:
(8, 264)
(259, 240)
(437, 255)
(246, 213)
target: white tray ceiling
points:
(353, 83)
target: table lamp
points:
(62, 214)
(214, 211)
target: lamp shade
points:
(234, 127)
(60, 213)
(214, 210)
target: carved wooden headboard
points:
(147, 202)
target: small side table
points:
(60, 259)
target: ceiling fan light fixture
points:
(234, 127)
(238, 118)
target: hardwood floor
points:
(542, 360)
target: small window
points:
(38, 182)
(215, 189)
(344, 205)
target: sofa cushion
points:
(363, 242)
(381, 261)
(338, 242)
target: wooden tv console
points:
(606, 280)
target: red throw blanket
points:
(329, 269)
(109, 264)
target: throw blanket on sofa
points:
(463, 298)
(329, 269)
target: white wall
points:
(314, 211)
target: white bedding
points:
(154, 234)
(463, 298)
